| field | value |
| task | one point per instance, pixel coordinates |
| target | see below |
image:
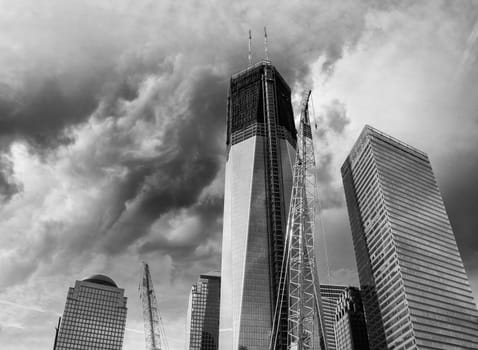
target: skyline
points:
(94, 133)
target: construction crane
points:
(153, 327)
(299, 278)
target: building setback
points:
(350, 329)
(415, 291)
(94, 316)
(261, 140)
(329, 294)
(202, 327)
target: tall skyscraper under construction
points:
(261, 141)
(415, 291)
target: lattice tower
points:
(299, 276)
(153, 328)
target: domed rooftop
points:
(100, 279)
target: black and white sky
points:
(112, 137)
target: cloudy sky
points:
(112, 138)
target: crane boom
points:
(152, 319)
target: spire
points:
(250, 52)
(265, 43)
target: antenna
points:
(250, 53)
(265, 43)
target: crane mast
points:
(305, 323)
(152, 321)
(299, 278)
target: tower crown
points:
(101, 279)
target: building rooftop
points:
(371, 131)
(251, 67)
(326, 285)
(211, 274)
(100, 279)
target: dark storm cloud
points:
(172, 178)
(8, 185)
(175, 178)
(41, 114)
(49, 105)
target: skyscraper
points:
(350, 329)
(202, 327)
(94, 316)
(415, 291)
(329, 295)
(261, 140)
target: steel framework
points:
(299, 276)
(153, 329)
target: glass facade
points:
(94, 316)
(350, 329)
(329, 294)
(415, 291)
(202, 330)
(261, 139)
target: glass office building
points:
(202, 327)
(261, 139)
(350, 329)
(330, 294)
(415, 291)
(94, 316)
